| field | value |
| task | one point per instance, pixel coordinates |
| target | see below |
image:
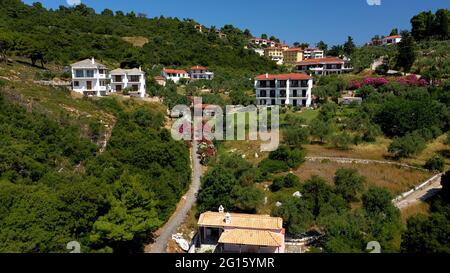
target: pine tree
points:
(406, 52)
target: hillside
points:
(59, 182)
(66, 35)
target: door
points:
(118, 88)
(89, 85)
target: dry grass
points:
(413, 210)
(435, 147)
(395, 179)
(375, 151)
(137, 41)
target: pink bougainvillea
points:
(354, 84)
(412, 80)
(375, 82)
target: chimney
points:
(93, 60)
(140, 68)
(227, 218)
(221, 209)
(267, 75)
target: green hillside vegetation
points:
(66, 35)
(56, 186)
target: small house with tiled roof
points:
(200, 73)
(175, 75)
(241, 233)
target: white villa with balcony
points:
(128, 79)
(90, 78)
(175, 75)
(313, 53)
(200, 73)
(284, 89)
(324, 66)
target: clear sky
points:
(290, 20)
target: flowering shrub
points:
(412, 80)
(354, 84)
(375, 82)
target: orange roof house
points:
(241, 233)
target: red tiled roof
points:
(174, 71)
(393, 37)
(198, 67)
(290, 76)
(328, 60)
(294, 49)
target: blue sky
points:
(290, 20)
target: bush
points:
(277, 184)
(296, 136)
(435, 163)
(291, 181)
(348, 184)
(282, 159)
(272, 166)
(341, 141)
(407, 146)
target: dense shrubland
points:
(55, 188)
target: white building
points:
(175, 75)
(312, 53)
(90, 78)
(284, 89)
(133, 79)
(324, 66)
(391, 40)
(259, 51)
(200, 73)
(263, 42)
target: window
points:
(118, 78)
(263, 93)
(135, 87)
(79, 73)
(90, 73)
(134, 78)
(294, 93)
(102, 71)
(76, 83)
(102, 83)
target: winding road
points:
(164, 234)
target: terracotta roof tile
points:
(290, 76)
(251, 237)
(240, 220)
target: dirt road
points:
(164, 234)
